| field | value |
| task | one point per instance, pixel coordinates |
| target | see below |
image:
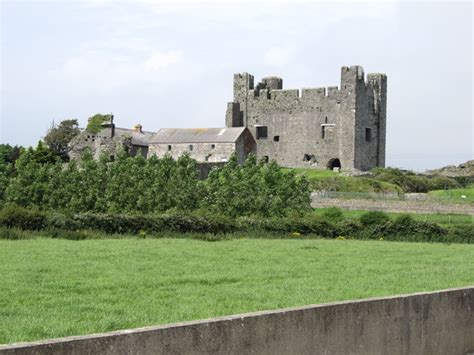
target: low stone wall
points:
(440, 322)
(392, 205)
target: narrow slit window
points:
(323, 132)
(368, 134)
(190, 147)
(169, 148)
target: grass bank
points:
(464, 195)
(53, 288)
(445, 220)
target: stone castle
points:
(322, 128)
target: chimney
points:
(138, 128)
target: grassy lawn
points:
(52, 288)
(454, 195)
(442, 219)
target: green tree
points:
(58, 137)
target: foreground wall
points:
(425, 323)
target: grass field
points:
(454, 195)
(442, 219)
(52, 288)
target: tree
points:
(58, 137)
(9, 154)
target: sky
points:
(171, 63)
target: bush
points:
(13, 216)
(461, 233)
(67, 234)
(333, 214)
(374, 217)
(95, 122)
(12, 234)
(349, 228)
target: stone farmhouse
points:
(335, 127)
(210, 145)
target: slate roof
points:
(142, 139)
(198, 135)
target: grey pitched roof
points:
(198, 135)
(142, 139)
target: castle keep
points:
(318, 127)
(334, 127)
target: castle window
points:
(169, 148)
(368, 134)
(262, 132)
(265, 158)
(276, 138)
(323, 132)
(213, 146)
(190, 147)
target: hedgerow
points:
(72, 226)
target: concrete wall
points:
(431, 323)
(298, 119)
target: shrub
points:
(333, 214)
(462, 233)
(95, 122)
(12, 234)
(67, 234)
(374, 217)
(349, 228)
(19, 217)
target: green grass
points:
(442, 219)
(52, 288)
(315, 173)
(333, 181)
(454, 195)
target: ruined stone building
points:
(335, 127)
(211, 145)
(109, 140)
(319, 127)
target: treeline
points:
(135, 185)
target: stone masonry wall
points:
(202, 152)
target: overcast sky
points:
(165, 65)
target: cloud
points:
(104, 71)
(161, 60)
(277, 56)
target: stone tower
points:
(315, 127)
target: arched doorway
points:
(333, 163)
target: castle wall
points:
(312, 127)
